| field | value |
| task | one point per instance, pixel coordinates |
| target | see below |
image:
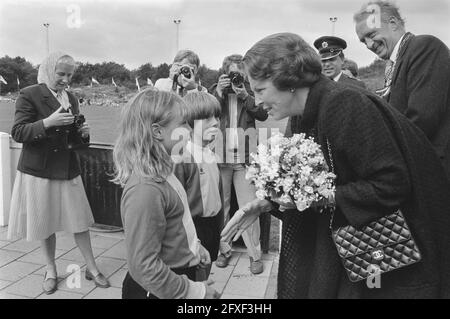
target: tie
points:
(388, 73)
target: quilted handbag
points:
(382, 246)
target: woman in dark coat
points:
(382, 162)
(48, 194)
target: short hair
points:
(201, 106)
(187, 54)
(234, 58)
(136, 151)
(286, 59)
(351, 66)
(387, 10)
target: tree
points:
(13, 68)
(162, 71)
(146, 71)
(207, 76)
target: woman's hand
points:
(211, 293)
(283, 205)
(58, 119)
(205, 259)
(243, 218)
(84, 130)
(222, 84)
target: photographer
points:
(238, 111)
(48, 194)
(182, 74)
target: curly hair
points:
(286, 59)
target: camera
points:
(78, 121)
(68, 137)
(185, 71)
(237, 79)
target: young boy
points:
(200, 175)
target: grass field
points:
(103, 122)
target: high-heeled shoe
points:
(49, 285)
(99, 280)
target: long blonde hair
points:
(136, 151)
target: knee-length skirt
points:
(41, 207)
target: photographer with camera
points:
(238, 111)
(182, 74)
(48, 194)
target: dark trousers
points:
(208, 231)
(132, 290)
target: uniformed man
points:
(331, 53)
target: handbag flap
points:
(388, 230)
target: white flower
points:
(293, 167)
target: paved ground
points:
(22, 270)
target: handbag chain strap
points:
(330, 157)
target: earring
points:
(292, 90)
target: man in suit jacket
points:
(417, 77)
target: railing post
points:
(5, 178)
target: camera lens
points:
(186, 71)
(236, 78)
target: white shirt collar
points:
(337, 77)
(394, 53)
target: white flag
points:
(137, 84)
(114, 83)
(149, 82)
(2, 79)
(95, 81)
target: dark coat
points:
(249, 112)
(420, 90)
(43, 154)
(345, 79)
(382, 162)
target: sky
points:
(133, 32)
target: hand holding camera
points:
(84, 130)
(58, 119)
(182, 75)
(232, 82)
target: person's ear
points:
(394, 24)
(157, 131)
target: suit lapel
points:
(401, 57)
(49, 99)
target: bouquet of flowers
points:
(291, 169)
